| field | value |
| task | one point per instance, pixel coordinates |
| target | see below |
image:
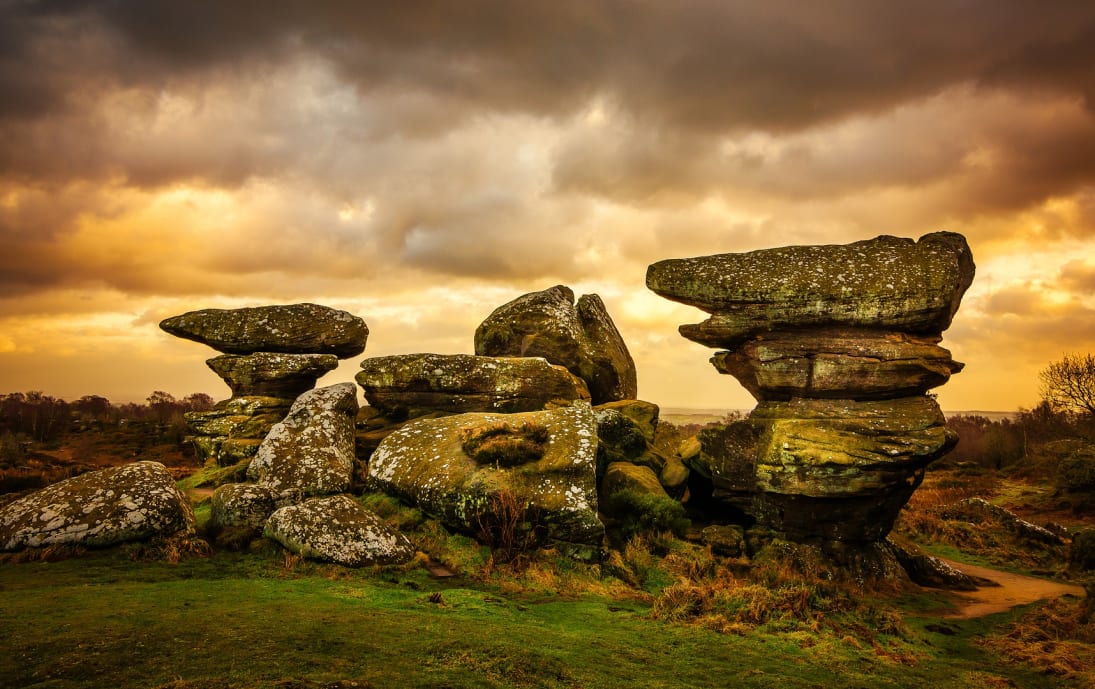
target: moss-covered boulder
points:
(410, 385)
(886, 282)
(267, 374)
(242, 505)
(641, 413)
(312, 450)
(233, 429)
(580, 337)
(457, 467)
(621, 476)
(337, 529)
(133, 502)
(287, 329)
(844, 363)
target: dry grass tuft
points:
(1055, 639)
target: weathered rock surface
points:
(625, 433)
(409, 385)
(266, 374)
(312, 450)
(242, 505)
(580, 337)
(337, 529)
(886, 282)
(838, 364)
(288, 329)
(623, 476)
(453, 467)
(133, 502)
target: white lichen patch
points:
(337, 529)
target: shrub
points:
(638, 512)
(1076, 473)
(505, 446)
(510, 526)
(1081, 554)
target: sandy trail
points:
(1013, 590)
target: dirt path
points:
(1013, 590)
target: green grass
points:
(247, 621)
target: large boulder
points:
(267, 374)
(409, 385)
(312, 450)
(288, 329)
(456, 467)
(886, 282)
(337, 529)
(580, 337)
(133, 502)
(232, 431)
(838, 364)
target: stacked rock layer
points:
(271, 355)
(839, 345)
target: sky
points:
(419, 163)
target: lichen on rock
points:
(337, 529)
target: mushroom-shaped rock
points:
(887, 282)
(418, 384)
(133, 502)
(580, 337)
(455, 467)
(288, 329)
(312, 450)
(267, 374)
(337, 529)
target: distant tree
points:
(163, 405)
(1069, 384)
(94, 406)
(198, 401)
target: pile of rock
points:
(271, 355)
(839, 345)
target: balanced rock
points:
(288, 329)
(133, 502)
(312, 450)
(886, 282)
(457, 467)
(410, 385)
(838, 364)
(267, 374)
(337, 529)
(580, 337)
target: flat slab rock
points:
(545, 459)
(268, 374)
(133, 502)
(886, 282)
(843, 363)
(312, 449)
(290, 329)
(337, 529)
(579, 336)
(417, 384)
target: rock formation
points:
(312, 449)
(456, 467)
(839, 345)
(133, 502)
(272, 354)
(578, 336)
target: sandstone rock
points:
(580, 337)
(337, 529)
(886, 282)
(272, 375)
(727, 540)
(452, 467)
(128, 503)
(242, 505)
(288, 329)
(411, 385)
(621, 476)
(838, 364)
(312, 450)
(233, 430)
(643, 414)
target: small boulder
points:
(288, 329)
(133, 502)
(409, 385)
(242, 505)
(337, 529)
(727, 540)
(621, 476)
(268, 374)
(312, 450)
(580, 337)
